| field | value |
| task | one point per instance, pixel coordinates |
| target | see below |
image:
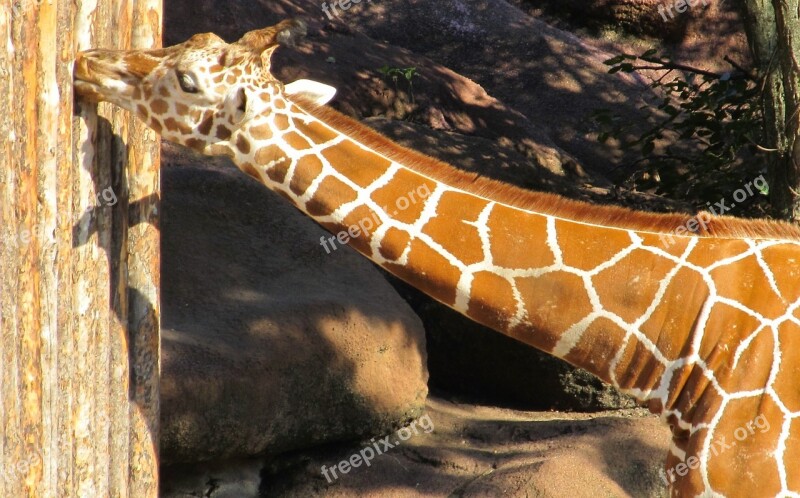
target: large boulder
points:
(269, 343)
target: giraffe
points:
(703, 330)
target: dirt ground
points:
(459, 450)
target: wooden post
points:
(79, 260)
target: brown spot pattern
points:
(628, 289)
(726, 465)
(492, 302)
(260, 132)
(394, 197)
(744, 281)
(331, 194)
(518, 240)
(597, 346)
(440, 285)
(673, 320)
(786, 380)
(296, 141)
(159, 106)
(223, 132)
(554, 302)
(394, 243)
(343, 158)
(243, 144)
(206, 124)
(308, 170)
(586, 247)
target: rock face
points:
(270, 344)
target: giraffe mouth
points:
(83, 85)
(95, 80)
(87, 84)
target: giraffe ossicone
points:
(704, 330)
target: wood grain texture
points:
(79, 260)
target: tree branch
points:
(750, 76)
(683, 67)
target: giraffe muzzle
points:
(97, 80)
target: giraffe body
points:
(704, 329)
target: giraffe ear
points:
(236, 104)
(311, 91)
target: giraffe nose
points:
(94, 65)
(89, 76)
(81, 67)
(88, 67)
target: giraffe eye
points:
(187, 82)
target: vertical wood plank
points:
(144, 264)
(79, 261)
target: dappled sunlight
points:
(492, 451)
(233, 305)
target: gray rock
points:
(270, 344)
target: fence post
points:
(79, 261)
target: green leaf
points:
(409, 73)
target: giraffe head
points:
(199, 92)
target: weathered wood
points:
(79, 260)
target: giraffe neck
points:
(594, 296)
(703, 329)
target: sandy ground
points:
(459, 450)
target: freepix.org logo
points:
(376, 448)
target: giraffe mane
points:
(544, 202)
